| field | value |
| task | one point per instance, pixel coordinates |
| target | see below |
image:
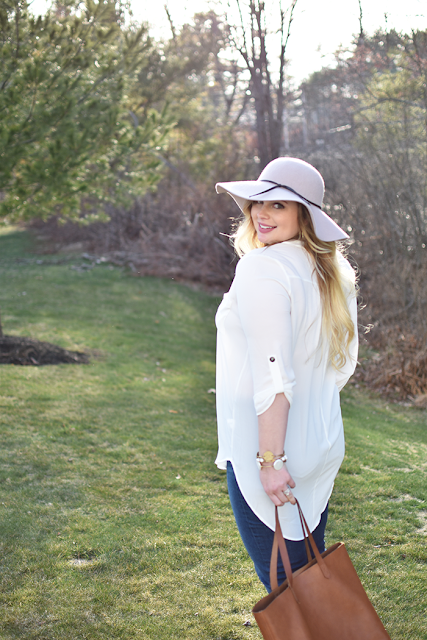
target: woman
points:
(287, 344)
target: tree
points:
(204, 93)
(330, 98)
(67, 142)
(390, 138)
(389, 167)
(176, 229)
(250, 40)
(376, 181)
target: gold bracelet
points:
(268, 456)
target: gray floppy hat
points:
(288, 179)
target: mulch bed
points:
(28, 352)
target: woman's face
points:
(275, 221)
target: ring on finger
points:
(287, 492)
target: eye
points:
(278, 205)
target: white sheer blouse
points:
(269, 342)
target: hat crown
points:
(297, 174)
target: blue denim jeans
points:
(258, 538)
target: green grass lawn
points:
(115, 523)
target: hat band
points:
(283, 186)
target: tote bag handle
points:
(280, 545)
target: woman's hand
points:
(277, 485)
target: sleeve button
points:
(272, 359)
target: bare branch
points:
(244, 52)
(242, 109)
(171, 24)
(388, 99)
(283, 44)
(361, 31)
(291, 18)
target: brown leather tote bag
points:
(324, 600)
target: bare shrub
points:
(368, 199)
(160, 235)
(399, 368)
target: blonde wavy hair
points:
(336, 319)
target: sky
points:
(319, 28)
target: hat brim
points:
(247, 191)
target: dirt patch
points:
(28, 352)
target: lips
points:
(264, 227)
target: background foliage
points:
(67, 141)
(100, 121)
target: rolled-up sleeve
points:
(264, 308)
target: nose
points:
(262, 211)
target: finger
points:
(281, 498)
(289, 496)
(284, 498)
(276, 500)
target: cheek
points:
(294, 218)
(296, 222)
(288, 220)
